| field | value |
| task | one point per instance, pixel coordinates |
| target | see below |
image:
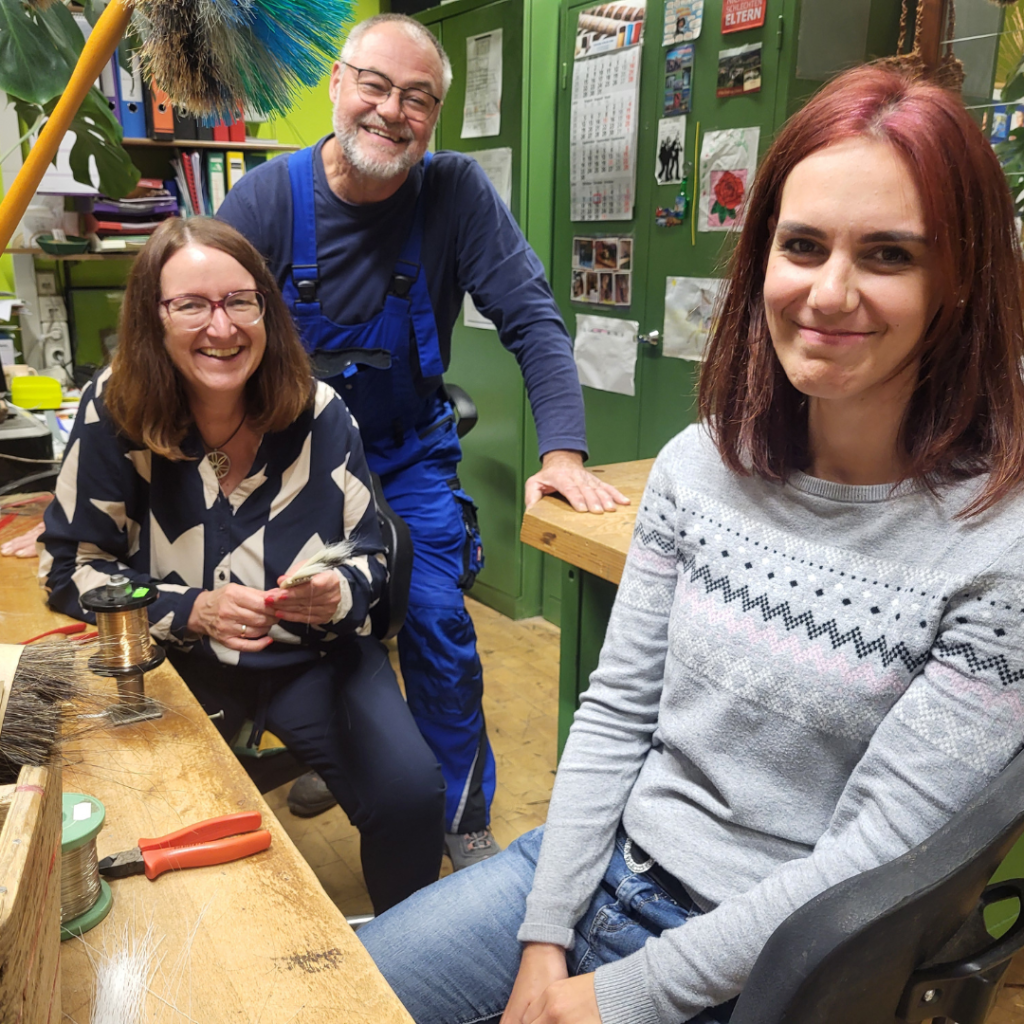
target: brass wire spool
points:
(85, 899)
(126, 651)
(124, 640)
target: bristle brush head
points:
(213, 57)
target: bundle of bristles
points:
(52, 696)
(213, 57)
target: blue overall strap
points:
(408, 266)
(305, 274)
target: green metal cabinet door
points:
(492, 467)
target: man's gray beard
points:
(381, 170)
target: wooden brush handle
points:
(96, 54)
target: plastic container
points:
(36, 392)
(74, 245)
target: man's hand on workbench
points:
(24, 545)
(563, 473)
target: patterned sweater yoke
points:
(798, 682)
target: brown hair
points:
(966, 414)
(145, 394)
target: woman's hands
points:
(314, 602)
(545, 994)
(234, 616)
(23, 546)
(240, 617)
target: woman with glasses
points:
(207, 461)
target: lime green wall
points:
(310, 118)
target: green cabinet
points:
(501, 451)
(621, 428)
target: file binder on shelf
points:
(216, 180)
(133, 114)
(236, 167)
(159, 116)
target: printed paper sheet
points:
(603, 134)
(497, 165)
(481, 114)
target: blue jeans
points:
(450, 951)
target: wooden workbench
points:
(595, 544)
(255, 940)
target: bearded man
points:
(375, 241)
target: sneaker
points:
(310, 796)
(470, 847)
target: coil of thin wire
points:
(124, 641)
(79, 881)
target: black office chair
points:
(906, 941)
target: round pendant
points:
(220, 463)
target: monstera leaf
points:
(38, 52)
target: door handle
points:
(652, 338)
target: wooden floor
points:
(520, 661)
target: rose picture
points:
(729, 191)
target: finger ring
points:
(244, 628)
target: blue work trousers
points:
(450, 951)
(437, 645)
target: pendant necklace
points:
(220, 461)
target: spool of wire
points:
(85, 898)
(126, 651)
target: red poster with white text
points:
(740, 14)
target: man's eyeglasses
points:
(375, 88)
(195, 312)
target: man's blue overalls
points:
(412, 446)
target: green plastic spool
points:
(76, 831)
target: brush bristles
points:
(213, 57)
(50, 689)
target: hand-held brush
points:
(212, 57)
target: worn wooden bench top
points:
(256, 940)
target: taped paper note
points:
(481, 114)
(689, 310)
(605, 353)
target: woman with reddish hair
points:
(815, 656)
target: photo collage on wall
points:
(602, 270)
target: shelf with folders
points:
(268, 146)
(78, 257)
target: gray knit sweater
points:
(798, 683)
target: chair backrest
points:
(880, 947)
(388, 614)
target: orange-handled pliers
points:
(214, 841)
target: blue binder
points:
(133, 111)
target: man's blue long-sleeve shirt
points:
(471, 244)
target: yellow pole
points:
(96, 53)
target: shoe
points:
(310, 796)
(469, 847)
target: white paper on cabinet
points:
(605, 353)
(689, 308)
(481, 114)
(497, 165)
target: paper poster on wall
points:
(602, 136)
(602, 271)
(739, 70)
(608, 27)
(728, 160)
(605, 353)
(497, 165)
(689, 312)
(678, 79)
(683, 20)
(481, 113)
(671, 148)
(740, 14)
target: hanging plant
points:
(38, 51)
